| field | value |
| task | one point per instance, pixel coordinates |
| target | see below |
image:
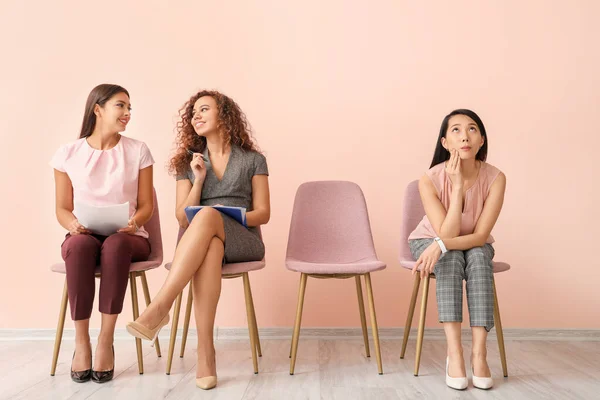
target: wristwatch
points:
(441, 244)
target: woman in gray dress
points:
(216, 163)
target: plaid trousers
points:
(473, 265)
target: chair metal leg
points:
(59, 328)
(250, 320)
(374, 327)
(421, 324)
(411, 312)
(186, 320)
(256, 336)
(148, 301)
(296, 335)
(499, 333)
(136, 314)
(173, 332)
(363, 318)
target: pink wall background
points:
(334, 90)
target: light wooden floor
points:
(326, 369)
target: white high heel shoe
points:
(456, 383)
(479, 382)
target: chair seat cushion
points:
(358, 267)
(135, 267)
(237, 268)
(498, 265)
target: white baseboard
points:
(320, 333)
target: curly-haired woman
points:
(216, 163)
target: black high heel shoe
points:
(105, 376)
(81, 376)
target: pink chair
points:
(330, 237)
(412, 214)
(137, 269)
(229, 271)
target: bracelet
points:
(441, 244)
(137, 228)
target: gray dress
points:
(235, 189)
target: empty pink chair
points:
(412, 213)
(137, 269)
(229, 271)
(330, 237)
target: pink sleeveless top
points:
(472, 205)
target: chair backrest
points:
(155, 236)
(330, 224)
(412, 214)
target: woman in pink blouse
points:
(101, 168)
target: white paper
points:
(102, 220)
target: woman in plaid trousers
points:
(462, 196)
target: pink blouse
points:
(104, 177)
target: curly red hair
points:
(232, 124)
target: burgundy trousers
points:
(114, 254)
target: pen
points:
(191, 153)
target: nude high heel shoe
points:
(206, 383)
(140, 331)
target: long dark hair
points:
(441, 154)
(99, 95)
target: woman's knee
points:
(479, 261)
(451, 264)
(455, 255)
(206, 218)
(481, 254)
(207, 213)
(453, 258)
(80, 245)
(118, 243)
